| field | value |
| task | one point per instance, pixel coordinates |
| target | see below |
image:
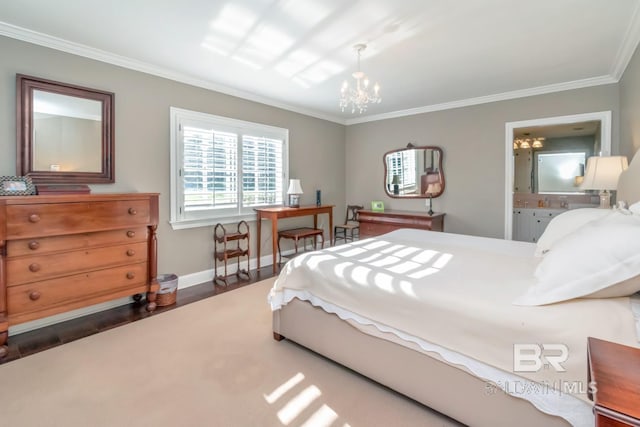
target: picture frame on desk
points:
(16, 186)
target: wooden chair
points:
(351, 226)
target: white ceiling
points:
(426, 54)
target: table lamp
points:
(294, 192)
(396, 184)
(432, 189)
(602, 174)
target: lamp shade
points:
(433, 188)
(395, 180)
(294, 187)
(602, 172)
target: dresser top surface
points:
(400, 213)
(67, 198)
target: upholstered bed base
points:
(436, 384)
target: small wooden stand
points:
(230, 245)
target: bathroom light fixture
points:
(528, 143)
(360, 96)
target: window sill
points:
(206, 222)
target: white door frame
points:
(605, 139)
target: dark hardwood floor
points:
(31, 342)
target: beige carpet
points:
(210, 363)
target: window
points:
(222, 168)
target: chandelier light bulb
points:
(359, 97)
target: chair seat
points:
(348, 226)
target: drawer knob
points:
(34, 218)
(34, 295)
(132, 211)
(131, 252)
(131, 275)
(34, 267)
(34, 244)
(131, 233)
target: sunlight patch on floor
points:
(324, 416)
(285, 387)
(300, 402)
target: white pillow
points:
(635, 208)
(600, 259)
(564, 224)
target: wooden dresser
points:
(375, 223)
(64, 252)
(614, 383)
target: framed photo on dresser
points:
(16, 186)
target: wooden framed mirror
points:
(414, 172)
(64, 132)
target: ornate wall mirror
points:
(414, 172)
(64, 132)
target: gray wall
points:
(142, 104)
(630, 107)
(345, 164)
(473, 141)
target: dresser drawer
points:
(67, 290)
(37, 246)
(50, 219)
(370, 229)
(33, 268)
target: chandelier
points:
(359, 97)
(527, 143)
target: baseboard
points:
(184, 281)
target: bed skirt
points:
(432, 382)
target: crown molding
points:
(540, 90)
(628, 46)
(41, 39)
(624, 55)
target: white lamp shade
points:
(294, 187)
(602, 172)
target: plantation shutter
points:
(262, 171)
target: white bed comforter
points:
(456, 291)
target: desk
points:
(274, 214)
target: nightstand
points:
(614, 370)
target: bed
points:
(487, 331)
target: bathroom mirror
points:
(64, 132)
(551, 159)
(414, 172)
